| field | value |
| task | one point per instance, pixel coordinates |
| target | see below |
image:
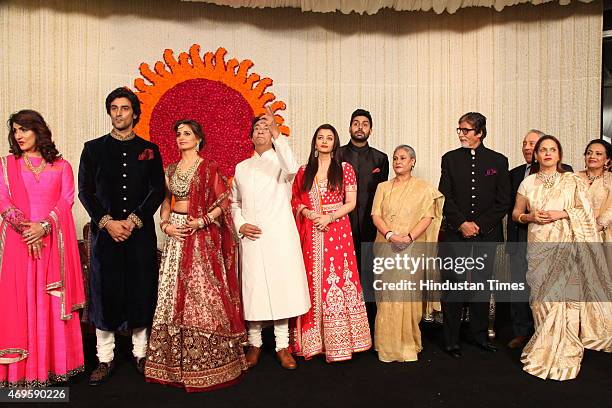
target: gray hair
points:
(407, 149)
(537, 132)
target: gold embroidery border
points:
(11, 360)
(52, 379)
(57, 288)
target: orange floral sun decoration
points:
(222, 96)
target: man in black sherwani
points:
(371, 168)
(520, 311)
(476, 186)
(121, 185)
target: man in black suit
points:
(371, 167)
(520, 312)
(476, 186)
(121, 185)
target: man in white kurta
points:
(274, 285)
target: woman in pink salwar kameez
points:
(41, 287)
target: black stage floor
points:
(479, 379)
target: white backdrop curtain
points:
(526, 67)
(374, 6)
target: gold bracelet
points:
(520, 220)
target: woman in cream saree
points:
(570, 283)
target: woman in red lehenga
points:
(198, 327)
(324, 192)
(41, 286)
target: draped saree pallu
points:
(198, 328)
(397, 336)
(40, 334)
(336, 323)
(570, 283)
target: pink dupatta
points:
(62, 264)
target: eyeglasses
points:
(465, 131)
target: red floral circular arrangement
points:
(224, 114)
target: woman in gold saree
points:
(405, 210)
(570, 283)
(598, 176)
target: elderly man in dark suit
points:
(121, 185)
(476, 186)
(520, 312)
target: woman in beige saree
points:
(405, 210)
(598, 176)
(570, 284)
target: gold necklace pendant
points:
(548, 180)
(35, 169)
(593, 178)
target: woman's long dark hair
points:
(32, 120)
(535, 167)
(334, 173)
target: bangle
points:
(389, 234)
(411, 239)
(164, 227)
(520, 220)
(211, 219)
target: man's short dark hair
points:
(361, 112)
(124, 92)
(478, 121)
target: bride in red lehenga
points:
(198, 327)
(324, 192)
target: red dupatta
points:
(214, 249)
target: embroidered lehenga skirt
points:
(192, 348)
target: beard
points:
(360, 136)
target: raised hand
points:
(269, 117)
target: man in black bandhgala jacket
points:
(121, 185)
(371, 168)
(476, 186)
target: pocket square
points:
(491, 172)
(376, 170)
(147, 154)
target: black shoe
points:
(101, 373)
(139, 363)
(454, 351)
(489, 347)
